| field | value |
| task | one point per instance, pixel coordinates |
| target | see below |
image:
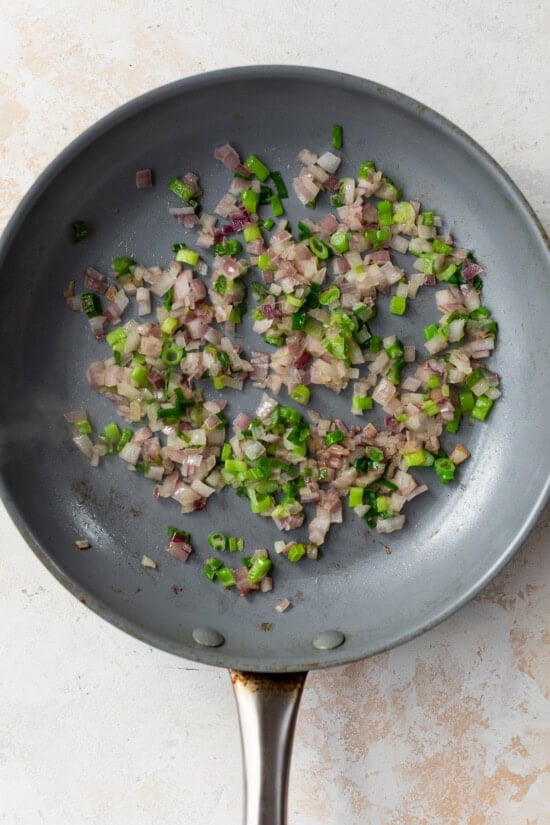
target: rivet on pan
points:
(328, 640)
(207, 637)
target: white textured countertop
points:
(450, 729)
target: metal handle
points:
(268, 705)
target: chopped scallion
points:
(168, 299)
(467, 401)
(300, 394)
(235, 544)
(121, 266)
(337, 136)
(175, 531)
(226, 576)
(211, 566)
(385, 213)
(91, 304)
(319, 248)
(277, 206)
(187, 256)
(296, 552)
(112, 432)
(361, 402)
(277, 179)
(140, 375)
(171, 354)
(259, 570)
(334, 437)
(398, 304)
(257, 168)
(125, 437)
(83, 426)
(366, 167)
(415, 459)
(265, 195)
(445, 469)
(264, 262)
(217, 541)
(355, 496)
(339, 241)
(304, 231)
(482, 407)
(329, 296)
(250, 200)
(169, 325)
(233, 465)
(441, 247)
(251, 233)
(181, 189)
(80, 231)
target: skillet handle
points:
(268, 705)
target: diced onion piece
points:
(329, 162)
(147, 561)
(144, 179)
(82, 544)
(130, 453)
(459, 454)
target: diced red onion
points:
(332, 183)
(74, 302)
(380, 257)
(97, 325)
(179, 547)
(144, 179)
(228, 156)
(305, 187)
(471, 271)
(143, 296)
(181, 210)
(95, 281)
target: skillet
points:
(358, 600)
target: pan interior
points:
(456, 537)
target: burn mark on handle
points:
(274, 682)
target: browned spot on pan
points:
(82, 490)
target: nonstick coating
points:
(456, 537)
